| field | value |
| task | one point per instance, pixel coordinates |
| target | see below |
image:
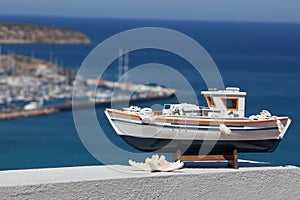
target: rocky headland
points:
(27, 34)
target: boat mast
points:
(126, 67)
(0, 56)
(12, 64)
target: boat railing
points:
(205, 111)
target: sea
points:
(262, 58)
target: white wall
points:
(119, 182)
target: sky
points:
(228, 10)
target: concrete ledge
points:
(125, 182)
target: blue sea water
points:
(261, 58)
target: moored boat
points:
(34, 105)
(218, 128)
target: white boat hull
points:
(170, 135)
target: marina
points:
(32, 87)
(19, 112)
(35, 109)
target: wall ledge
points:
(119, 181)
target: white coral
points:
(156, 163)
(264, 114)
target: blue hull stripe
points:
(197, 127)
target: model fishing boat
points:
(222, 126)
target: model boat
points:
(222, 126)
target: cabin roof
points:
(230, 91)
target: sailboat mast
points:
(120, 65)
(0, 55)
(126, 67)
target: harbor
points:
(19, 112)
(33, 87)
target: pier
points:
(28, 113)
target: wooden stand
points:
(231, 158)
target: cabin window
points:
(167, 106)
(231, 104)
(210, 102)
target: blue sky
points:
(239, 10)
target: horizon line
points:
(150, 19)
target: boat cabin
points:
(228, 103)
